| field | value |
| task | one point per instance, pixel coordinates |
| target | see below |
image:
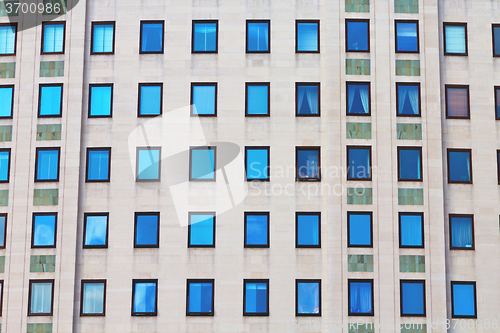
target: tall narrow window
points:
(358, 99)
(1, 296)
(455, 39)
(95, 230)
(412, 298)
(457, 102)
(307, 230)
(202, 163)
(409, 163)
(200, 297)
(100, 100)
(150, 99)
(3, 230)
(307, 99)
(357, 35)
(497, 102)
(308, 163)
(147, 230)
(257, 163)
(407, 37)
(93, 298)
(359, 162)
(498, 166)
(50, 100)
(411, 230)
(8, 36)
(461, 232)
(459, 166)
(496, 40)
(144, 297)
(257, 229)
(41, 297)
(408, 99)
(360, 229)
(151, 37)
(204, 99)
(257, 99)
(44, 230)
(205, 35)
(103, 38)
(258, 36)
(255, 297)
(148, 163)
(53, 35)
(463, 299)
(47, 164)
(307, 36)
(4, 165)
(6, 101)
(307, 297)
(360, 297)
(98, 165)
(201, 230)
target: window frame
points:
(297, 281)
(421, 164)
(89, 149)
(370, 160)
(191, 148)
(396, 35)
(34, 215)
(162, 22)
(38, 149)
(147, 148)
(87, 281)
(415, 281)
(268, 33)
(97, 85)
(496, 90)
(136, 215)
(9, 164)
(347, 20)
(203, 84)
(369, 213)
(2, 289)
(200, 314)
(473, 283)
(43, 36)
(40, 86)
(307, 84)
(266, 246)
(31, 282)
(299, 148)
(255, 314)
(194, 22)
(10, 24)
(268, 148)
(13, 87)
(458, 86)
(144, 314)
(471, 216)
(458, 150)
(498, 166)
(409, 84)
(214, 229)
(493, 26)
(297, 22)
(149, 84)
(297, 246)
(358, 83)
(85, 215)
(4, 243)
(93, 24)
(247, 84)
(401, 246)
(355, 314)
(460, 24)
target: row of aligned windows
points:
(200, 297)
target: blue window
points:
(148, 163)
(53, 37)
(144, 297)
(307, 36)
(201, 230)
(47, 164)
(455, 38)
(407, 36)
(496, 40)
(360, 297)
(258, 36)
(359, 163)
(205, 36)
(150, 99)
(200, 298)
(463, 299)
(100, 100)
(413, 298)
(257, 163)
(103, 35)
(4, 165)
(411, 230)
(257, 99)
(358, 99)
(497, 101)
(308, 164)
(202, 163)
(409, 163)
(98, 164)
(307, 230)
(3, 230)
(6, 101)
(93, 297)
(408, 99)
(308, 103)
(44, 230)
(459, 166)
(256, 229)
(95, 230)
(50, 100)
(359, 229)
(147, 230)
(462, 232)
(308, 297)
(256, 297)
(357, 35)
(204, 99)
(151, 37)
(8, 39)
(41, 300)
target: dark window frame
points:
(421, 164)
(356, 314)
(307, 84)
(450, 216)
(158, 148)
(349, 213)
(496, 90)
(255, 314)
(83, 283)
(457, 86)
(162, 22)
(409, 84)
(299, 148)
(347, 20)
(297, 246)
(92, 37)
(8, 165)
(149, 84)
(458, 150)
(268, 33)
(415, 281)
(10, 24)
(155, 246)
(89, 149)
(33, 246)
(370, 160)
(473, 283)
(358, 83)
(297, 314)
(200, 314)
(247, 84)
(400, 229)
(203, 84)
(43, 36)
(214, 229)
(194, 22)
(461, 24)
(268, 148)
(85, 215)
(493, 26)
(40, 86)
(13, 87)
(498, 166)
(97, 85)
(396, 35)
(268, 245)
(38, 149)
(31, 282)
(144, 314)
(297, 22)
(214, 148)
(4, 239)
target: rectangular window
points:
(307, 297)
(201, 230)
(455, 39)
(411, 230)
(3, 230)
(98, 165)
(409, 163)
(412, 298)
(47, 164)
(53, 37)
(4, 165)
(258, 33)
(103, 38)
(202, 163)
(360, 297)
(358, 98)
(307, 99)
(498, 166)
(1, 297)
(148, 163)
(41, 297)
(44, 230)
(460, 166)
(205, 36)
(360, 229)
(308, 163)
(150, 99)
(200, 297)
(255, 297)
(204, 99)
(357, 35)
(93, 298)
(307, 36)
(151, 37)
(457, 102)
(463, 299)
(8, 36)
(307, 230)
(359, 163)
(100, 100)
(408, 99)
(147, 230)
(50, 100)
(497, 102)
(256, 229)
(257, 163)
(407, 40)
(258, 99)
(461, 232)
(95, 230)
(144, 297)
(6, 101)
(496, 40)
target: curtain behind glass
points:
(361, 297)
(41, 297)
(308, 164)
(308, 297)
(145, 297)
(258, 37)
(310, 95)
(455, 39)
(7, 39)
(93, 298)
(411, 230)
(103, 38)
(53, 38)
(461, 232)
(205, 37)
(98, 165)
(152, 37)
(457, 102)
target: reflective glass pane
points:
(204, 100)
(41, 298)
(360, 230)
(205, 37)
(4, 165)
(202, 164)
(103, 38)
(407, 40)
(359, 163)
(152, 37)
(53, 38)
(3, 224)
(93, 298)
(7, 39)
(148, 167)
(257, 164)
(256, 297)
(464, 299)
(408, 100)
(201, 230)
(98, 165)
(459, 164)
(150, 100)
(308, 298)
(496, 46)
(145, 297)
(357, 36)
(411, 230)
(44, 230)
(412, 298)
(100, 101)
(455, 39)
(95, 230)
(307, 100)
(200, 297)
(48, 165)
(358, 97)
(360, 297)
(257, 100)
(461, 232)
(409, 164)
(50, 101)
(308, 230)
(258, 37)
(457, 102)
(307, 37)
(257, 229)
(6, 101)
(308, 164)
(146, 232)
